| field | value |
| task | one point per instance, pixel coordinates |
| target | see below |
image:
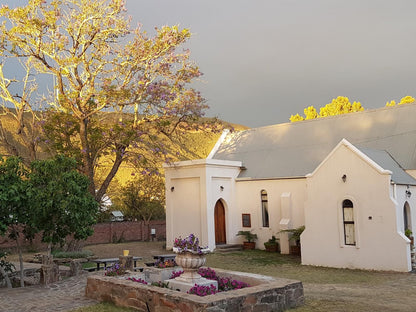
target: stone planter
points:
(265, 294)
(190, 263)
(153, 274)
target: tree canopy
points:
(99, 63)
(50, 198)
(338, 106)
(143, 198)
(59, 195)
(404, 100)
(341, 105)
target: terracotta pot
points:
(271, 247)
(249, 245)
(295, 250)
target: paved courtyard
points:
(64, 295)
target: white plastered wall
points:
(285, 202)
(192, 189)
(380, 245)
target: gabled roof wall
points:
(296, 149)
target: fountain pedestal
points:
(190, 262)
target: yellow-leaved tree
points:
(98, 63)
(405, 100)
(338, 106)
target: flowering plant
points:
(115, 270)
(165, 264)
(202, 291)
(189, 244)
(175, 274)
(137, 280)
(224, 283)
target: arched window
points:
(348, 220)
(406, 217)
(264, 208)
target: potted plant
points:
(295, 237)
(249, 243)
(272, 245)
(409, 235)
(190, 256)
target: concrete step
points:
(228, 248)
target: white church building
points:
(349, 179)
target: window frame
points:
(348, 224)
(265, 216)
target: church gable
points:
(344, 152)
(350, 216)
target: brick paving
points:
(65, 295)
(69, 294)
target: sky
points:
(265, 60)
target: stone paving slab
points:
(63, 296)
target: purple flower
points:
(137, 280)
(175, 274)
(190, 243)
(201, 290)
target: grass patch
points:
(72, 254)
(288, 266)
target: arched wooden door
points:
(219, 216)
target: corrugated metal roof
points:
(296, 149)
(384, 160)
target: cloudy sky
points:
(267, 59)
(264, 60)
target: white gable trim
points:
(204, 162)
(356, 151)
(218, 144)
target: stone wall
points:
(266, 294)
(110, 232)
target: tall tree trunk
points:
(22, 269)
(86, 154)
(117, 162)
(20, 121)
(49, 249)
(6, 277)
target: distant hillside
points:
(196, 144)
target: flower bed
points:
(115, 270)
(224, 283)
(265, 294)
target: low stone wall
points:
(265, 294)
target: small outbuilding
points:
(117, 216)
